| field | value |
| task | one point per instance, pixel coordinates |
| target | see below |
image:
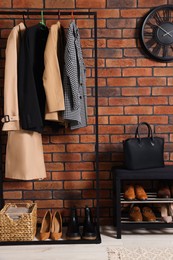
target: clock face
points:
(157, 33)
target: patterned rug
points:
(139, 253)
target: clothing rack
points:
(54, 12)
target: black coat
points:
(31, 95)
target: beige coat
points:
(52, 77)
(24, 151)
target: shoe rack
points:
(156, 174)
(91, 15)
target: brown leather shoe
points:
(148, 214)
(129, 192)
(56, 229)
(46, 226)
(140, 193)
(164, 191)
(135, 214)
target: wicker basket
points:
(22, 229)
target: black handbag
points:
(144, 153)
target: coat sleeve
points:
(72, 68)
(11, 111)
(52, 77)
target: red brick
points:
(150, 81)
(166, 110)
(163, 91)
(87, 138)
(112, 82)
(54, 166)
(91, 63)
(75, 185)
(149, 63)
(121, 43)
(88, 23)
(5, 24)
(65, 157)
(153, 3)
(64, 194)
(154, 119)
(111, 129)
(49, 204)
(5, 3)
(79, 166)
(59, 4)
(153, 100)
(131, 33)
(133, 13)
(120, 63)
(28, 4)
(137, 72)
(111, 110)
(163, 72)
(123, 101)
(109, 72)
(108, 92)
(132, 52)
(106, 13)
(17, 185)
(120, 3)
(53, 148)
(136, 91)
(110, 53)
(12, 194)
(64, 139)
(80, 148)
(123, 120)
(109, 33)
(164, 129)
(170, 100)
(92, 194)
(66, 176)
(139, 110)
(119, 138)
(47, 157)
(121, 23)
(90, 4)
(80, 203)
(48, 185)
(37, 195)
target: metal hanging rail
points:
(53, 12)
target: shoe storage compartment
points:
(122, 220)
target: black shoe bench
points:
(155, 174)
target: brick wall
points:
(132, 88)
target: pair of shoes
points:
(137, 192)
(51, 226)
(167, 212)
(89, 229)
(165, 191)
(136, 214)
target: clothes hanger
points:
(42, 22)
(59, 15)
(72, 16)
(24, 22)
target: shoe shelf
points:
(122, 219)
(152, 198)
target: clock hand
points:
(164, 30)
(167, 33)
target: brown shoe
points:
(46, 226)
(135, 214)
(164, 191)
(140, 193)
(148, 214)
(129, 193)
(56, 230)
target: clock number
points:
(153, 26)
(150, 43)
(158, 18)
(156, 49)
(148, 34)
(165, 51)
(166, 15)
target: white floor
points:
(136, 238)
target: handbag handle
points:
(150, 132)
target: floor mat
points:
(139, 253)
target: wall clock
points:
(157, 33)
